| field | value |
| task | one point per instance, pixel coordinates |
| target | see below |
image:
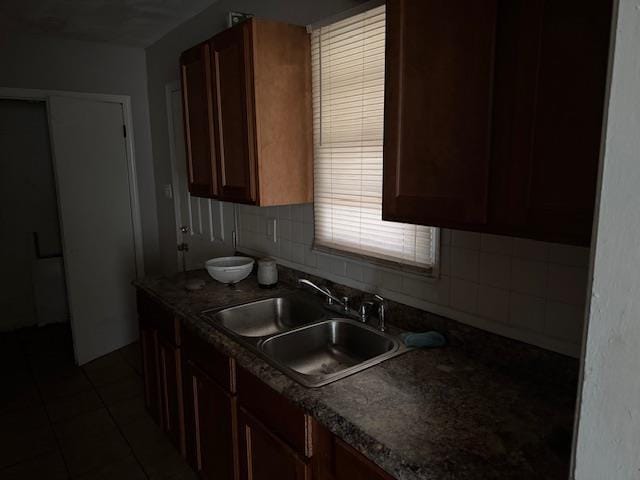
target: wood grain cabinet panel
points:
(494, 114)
(258, 100)
(213, 422)
(263, 456)
(195, 72)
(439, 80)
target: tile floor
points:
(60, 421)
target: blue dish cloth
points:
(423, 339)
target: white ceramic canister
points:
(267, 272)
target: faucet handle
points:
(364, 311)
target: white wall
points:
(162, 65)
(608, 439)
(524, 289)
(57, 64)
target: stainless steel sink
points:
(268, 317)
(295, 334)
(318, 354)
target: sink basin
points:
(324, 352)
(268, 317)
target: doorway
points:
(97, 221)
(32, 286)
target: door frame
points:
(169, 89)
(125, 102)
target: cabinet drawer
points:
(352, 465)
(284, 419)
(153, 315)
(216, 365)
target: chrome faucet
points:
(382, 310)
(331, 298)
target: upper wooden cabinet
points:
(257, 99)
(198, 129)
(493, 115)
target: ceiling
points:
(124, 22)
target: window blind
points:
(348, 117)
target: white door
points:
(201, 223)
(92, 173)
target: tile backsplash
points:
(524, 289)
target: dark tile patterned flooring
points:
(61, 421)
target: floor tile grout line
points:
(117, 424)
(44, 407)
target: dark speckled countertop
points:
(428, 414)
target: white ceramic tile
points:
(297, 234)
(371, 276)
(307, 213)
(567, 284)
(261, 225)
(392, 281)
(354, 271)
(307, 233)
(465, 264)
(464, 295)
(530, 249)
(297, 213)
(414, 287)
(496, 244)
(285, 249)
(284, 229)
(568, 255)
(438, 292)
(526, 312)
(493, 303)
(310, 258)
(297, 253)
(564, 321)
(462, 239)
(284, 212)
(445, 236)
(495, 270)
(528, 277)
(445, 260)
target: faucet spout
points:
(323, 290)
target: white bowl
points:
(229, 269)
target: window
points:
(348, 117)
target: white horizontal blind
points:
(348, 117)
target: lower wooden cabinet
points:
(171, 392)
(264, 456)
(210, 420)
(225, 421)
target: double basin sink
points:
(299, 337)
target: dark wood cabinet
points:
(162, 367)
(227, 422)
(198, 126)
(255, 107)
(493, 115)
(213, 416)
(171, 392)
(264, 456)
(233, 109)
(439, 78)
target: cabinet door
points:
(198, 121)
(263, 456)
(148, 342)
(214, 420)
(439, 84)
(351, 465)
(234, 117)
(171, 393)
(556, 113)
